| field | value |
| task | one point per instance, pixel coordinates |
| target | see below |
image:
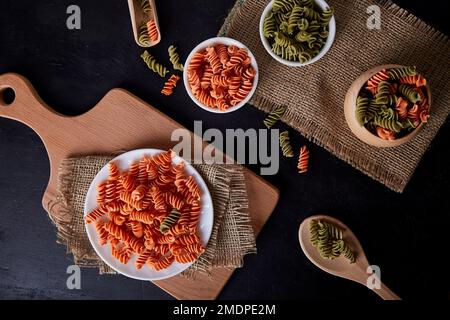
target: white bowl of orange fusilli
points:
(148, 214)
(221, 75)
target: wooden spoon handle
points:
(385, 293)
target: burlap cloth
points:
(315, 94)
(232, 236)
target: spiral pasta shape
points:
(123, 256)
(275, 116)
(285, 145)
(94, 215)
(170, 85)
(145, 6)
(399, 73)
(152, 30)
(175, 58)
(169, 221)
(283, 6)
(329, 241)
(303, 160)
(143, 37)
(270, 26)
(142, 259)
(101, 193)
(392, 124)
(409, 93)
(362, 105)
(153, 64)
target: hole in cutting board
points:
(7, 96)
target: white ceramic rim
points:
(209, 43)
(124, 161)
(328, 44)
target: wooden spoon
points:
(138, 16)
(341, 267)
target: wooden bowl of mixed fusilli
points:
(388, 105)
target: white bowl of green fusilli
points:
(297, 35)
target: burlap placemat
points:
(232, 237)
(315, 94)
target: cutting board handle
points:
(26, 107)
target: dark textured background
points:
(404, 234)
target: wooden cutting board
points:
(121, 121)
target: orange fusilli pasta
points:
(221, 76)
(303, 160)
(170, 85)
(152, 29)
(134, 204)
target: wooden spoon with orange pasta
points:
(360, 271)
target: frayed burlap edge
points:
(62, 217)
(316, 133)
(240, 207)
(233, 192)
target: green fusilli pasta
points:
(143, 37)
(169, 221)
(270, 26)
(154, 65)
(307, 3)
(390, 124)
(283, 6)
(388, 113)
(409, 93)
(175, 58)
(145, 5)
(327, 14)
(285, 145)
(397, 74)
(329, 241)
(274, 116)
(294, 18)
(362, 106)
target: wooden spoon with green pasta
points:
(341, 266)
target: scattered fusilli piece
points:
(175, 58)
(285, 145)
(303, 160)
(274, 117)
(154, 65)
(170, 85)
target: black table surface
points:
(404, 234)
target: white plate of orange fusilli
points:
(149, 214)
